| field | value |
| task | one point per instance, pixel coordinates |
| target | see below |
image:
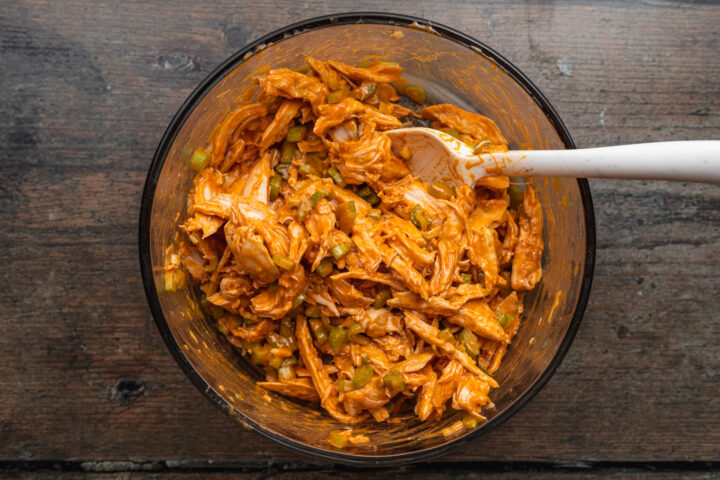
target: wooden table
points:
(87, 387)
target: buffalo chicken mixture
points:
(350, 282)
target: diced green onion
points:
(364, 191)
(199, 160)
(337, 440)
(374, 213)
(355, 328)
(325, 267)
(343, 385)
(222, 328)
(466, 277)
(296, 134)
(286, 373)
(394, 381)
(275, 182)
(470, 342)
(381, 297)
(303, 209)
(340, 250)
(335, 97)
(516, 196)
(260, 355)
(346, 214)
(441, 190)
(338, 339)
(298, 301)
(287, 152)
(363, 375)
(373, 199)
(418, 218)
(317, 196)
(367, 194)
(283, 262)
(333, 83)
(337, 178)
(469, 422)
(505, 319)
(318, 330)
(452, 132)
(313, 311)
(416, 93)
(174, 280)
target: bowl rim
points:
(187, 108)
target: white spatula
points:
(435, 155)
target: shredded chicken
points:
(351, 282)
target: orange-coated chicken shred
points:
(351, 282)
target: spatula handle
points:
(688, 161)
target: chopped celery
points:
(340, 250)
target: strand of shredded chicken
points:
(349, 281)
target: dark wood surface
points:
(87, 385)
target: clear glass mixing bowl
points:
(453, 68)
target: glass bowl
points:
(453, 68)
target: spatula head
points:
(435, 155)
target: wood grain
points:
(89, 87)
(107, 471)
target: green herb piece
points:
(418, 218)
(199, 160)
(336, 177)
(275, 182)
(470, 342)
(296, 134)
(394, 381)
(381, 298)
(325, 267)
(363, 375)
(338, 339)
(416, 93)
(340, 250)
(346, 215)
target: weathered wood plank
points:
(90, 87)
(130, 471)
